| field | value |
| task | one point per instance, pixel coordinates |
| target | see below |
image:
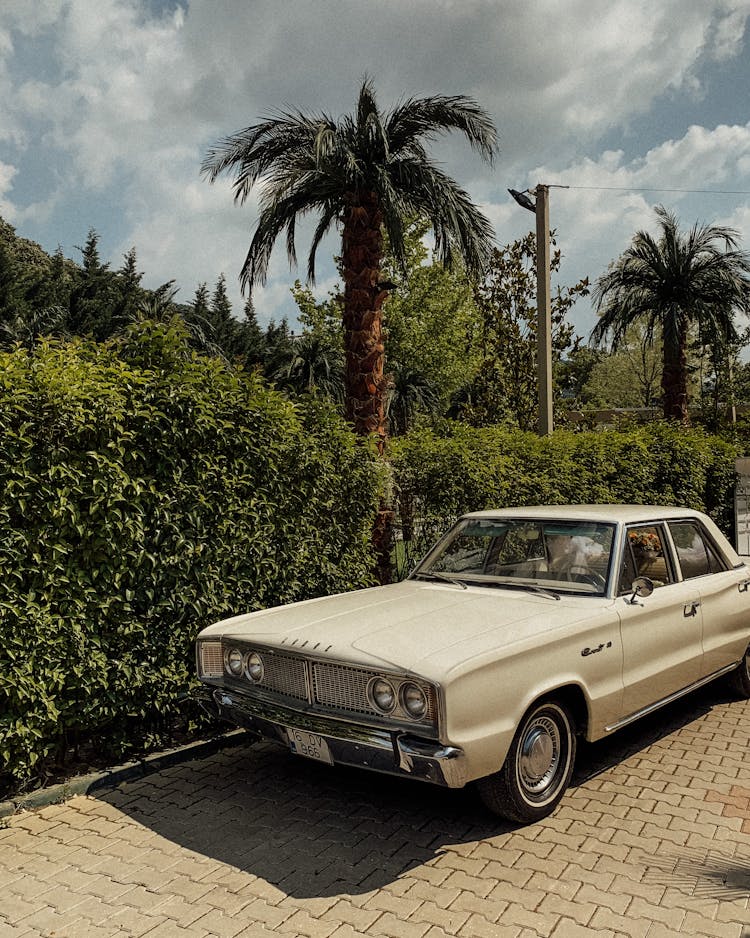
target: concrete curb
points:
(109, 778)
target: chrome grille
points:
(211, 659)
(285, 675)
(345, 688)
(341, 687)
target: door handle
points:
(743, 586)
(690, 609)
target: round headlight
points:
(413, 700)
(234, 662)
(382, 695)
(254, 667)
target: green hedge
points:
(145, 492)
(440, 475)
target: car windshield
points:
(568, 556)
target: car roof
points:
(607, 513)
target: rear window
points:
(696, 554)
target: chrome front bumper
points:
(392, 752)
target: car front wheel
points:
(538, 767)
(739, 679)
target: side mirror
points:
(642, 588)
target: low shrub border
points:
(440, 475)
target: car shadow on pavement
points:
(309, 829)
(313, 830)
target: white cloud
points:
(123, 105)
(611, 198)
(7, 209)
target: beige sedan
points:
(521, 631)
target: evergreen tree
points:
(131, 294)
(200, 305)
(13, 304)
(278, 342)
(254, 342)
(50, 287)
(93, 298)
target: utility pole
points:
(540, 208)
(544, 312)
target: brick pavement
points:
(652, 841)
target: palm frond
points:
(313, 163)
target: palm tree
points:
(159, 306)
(310, 364)
(365, 172)
(678, 282)
(409, 394)
(26, 329)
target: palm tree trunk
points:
(364, 380)
(674, 377)
(362, 253)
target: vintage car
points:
(521, 630)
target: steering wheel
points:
(576, 573)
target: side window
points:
(695, 553)
(645, 556)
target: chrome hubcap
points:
(539, 755)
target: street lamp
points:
(540, 208)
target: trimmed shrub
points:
(464, 469)
(146, 491)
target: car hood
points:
(424, 628)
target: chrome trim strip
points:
(391, 753)
(672, 697)
(323, 726)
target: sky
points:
(107, 108)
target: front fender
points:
(484, 704)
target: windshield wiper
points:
(446, 578)
(536, 589)
(531, 587)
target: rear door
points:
(724, 595)
(661, 633)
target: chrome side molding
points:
(668, 700)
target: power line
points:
(662, 189)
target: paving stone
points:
(634, 928)
(14, 908)
(568, 928)
(218, 925)
(302, 924)
(578, 910)
(358, 918)
(491, 909)
(698, 925)
(446, 919)
(343, 931)
(478, 927)
(391, 926)
(261, 847)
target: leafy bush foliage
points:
(145, 492)
(439, 476)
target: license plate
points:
(309, 745)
